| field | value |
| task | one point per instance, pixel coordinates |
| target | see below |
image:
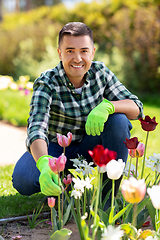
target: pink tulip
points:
(51, 202)
(133, 190)
(64, 141)
(138, 152)
(68, 180)
(57, 164)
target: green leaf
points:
(67, 213)
(54, 219)
(152, 212)
(103, 216)
(63, 234)
(129, 230)
(120, 213)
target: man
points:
(78, 96)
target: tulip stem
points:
(134, 219)
(129, 167)
(158, 221)
(112, 201)
(144, 155)
(96, 207)
(136, 167)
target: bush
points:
(132, 27)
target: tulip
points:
(131, 143)
(51, 202)
(133, 190)
(68, 180)
(138, 152)
(115, 169)
(102, 156)
(57, 164)
(64, 141)
(154, 193)
(148, 124)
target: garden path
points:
(12, 143)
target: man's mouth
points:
(74, 66)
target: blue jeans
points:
(116, 130)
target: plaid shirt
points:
(57, 108)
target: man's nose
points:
(77, 57)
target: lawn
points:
(14, 204)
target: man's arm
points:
(128, 107)
(39, 148)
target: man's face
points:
(76, 54)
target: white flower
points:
(76, 162)
(154, 162)
(111, 233)
(87, 167)
(132, 170)
(79, 184)
(115, 169)
(76, 193)
(88, 181)
(102, 169)
(154, 194)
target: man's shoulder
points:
(98, 66)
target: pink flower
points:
(51, 202)
(57, 164)
(64, 141)
(68, 180)
(17, 237)
(138, 152)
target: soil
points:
(42, 231)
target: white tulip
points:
(115, 169)
(112, 233)
(154, 193)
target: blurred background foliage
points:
(126, 34)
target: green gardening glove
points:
(48, 179)
(98, 116)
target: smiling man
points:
(80, 96)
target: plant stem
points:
(96, 207)
(112, 201)
(136, 167)
(158, 221)
(59, 204)
(84, 202)
(129, 167)
(52, 220)
(134, 219)
(144, 155)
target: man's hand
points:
(98, 116)
(48, 180)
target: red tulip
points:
(102, 156)
(57, 164)
(64, 141)
(148, 124)
(51, 202)
(131, 143)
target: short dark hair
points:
(75, 29)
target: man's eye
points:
(69, 51)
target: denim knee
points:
(25, 176)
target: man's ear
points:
(59, 53)
(94, 49)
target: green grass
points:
(13, 204)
